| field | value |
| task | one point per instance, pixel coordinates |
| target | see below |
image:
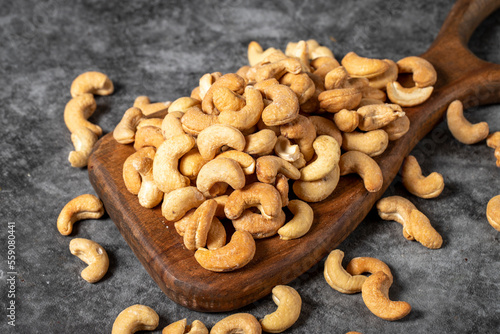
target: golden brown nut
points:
(372, 143)
(346, 120)
(303, 132)
(335, 100)
(289, 306)
(92, 254)
(261, 142)
(179, 201)
(493, 212)
(231, 81)
(423, 73)
(181, 327)
(365, 167)
(135, 318)
(461, 128)
(247, 116)
(195, 120)
(315, 191)
(148, 136)
(376, 116)
(380, 81)
(149, 195)
(261, 195)
(397, 128)
(358, 66)
(327, 158)
(85, 206)
(257, 225)
(360, 265)
(219, 170)
(299, 225)
(131, 176)
(78, 110)
(284, 107)
(83, 140)
(324, 126)
(91, 83)
(211, 139)
(338, 278)
(300, 84)
(243, 323)
(268, 167)
(198, 225)
(413, 180)
(124, 132)
(407, 97)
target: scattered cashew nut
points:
(461, 128)
(92, 254)
(85, 206)
(289, 306)
(135, 318)
(76, 112)
(91, 83)
(327, 152)
(243, 323)
(83, 140)
(365, 167)
(338, 278)
(493, 212)
(413, 180)
(408, 97)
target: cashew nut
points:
(375, 293)
(148, 136)
(358, 66)
(179, 201)
(220, 170)
(328, 154)
(243, 323)
(216, 237)
(260, 143)
(372, 143)
(257, 225)
(367, 102)
(493, 140)
(336, 78)
(124, 132)
(236, 254)
(315, 191)
(301, 222)
(206, 81)
(497, 156)
(181, 327)
(141, 101)
(373, 93)
(256, 54)
(268, 166)
(171, 126)
(283, 188)
(397, 128)
(191, 163)
(198, 225)
(211, 139)
(277, 68)
(461, 128)
(338, 278)
(166, 161)
(413, 180)
(131, 176)
(247, 116)
(183, 103)
(92, 254)
(323, 65)
(85, 206)
(261, 195)
(324, 126)
(284, 107)
(371, 265)
(76, 112)
(299, 50)
(423, 73)
(83, 140)
(380, 81)
(335, 100)
(376, 116)
(149, 195)
(135, 318)
(493, 212)
(246, 162)
(300, 84)
(285, 150)
(195, 120)
(158, 109)
(289, 306)
(364, 166)
(346, 120)
(407, 97)
(231, 81)
(303, 132)
(91, 83)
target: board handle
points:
(462, 75)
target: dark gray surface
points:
(160, 49)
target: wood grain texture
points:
(160, 249)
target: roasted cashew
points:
(158, 109)
(219, 170)
(423, 73)
(324, 126)
(277, 68)
(179, 201)
(461, 128)
(206, 81)
(303, 132)
(284, 107)
(227, 100)
(335, 100)
(285, 150)
(195, 120)
(257, 225)
(256, 54)
(181, 327)
(283, 188)
(268, 166)
(336, 78)
(316, 50)
(183, 103)
(360, 265)
(198, 225)
(211, 139)
(261, 195)
(421, 229)
(131, 177)
(323, 65)
(76, 112)
(372, 143)
(391, 74)
(346, 120)
(413, 180)
(148, 136)
(493, 140)
(171, 126)
(135, 318)
(83, 140)
(327, 157)
(367, 102)
(154, 122)
(497, 156)
(375, 293)
(91, 83)
(299, 50)
(247, 116)
(373, 93)
(85, 206)
(92, 254)
(358, 66)
(364, 166)
(166, 161)
(141, 101)
(289, 306)
(246, 162)
(338, 278)
(300, 84)
(124, 132)
(149, 195)
(231, 81)
(216, 237)
(191, 163)
(236, 254)
(493, 212)
(261, 142)
(315, 191)
(407, 97)
(243, 323)
(397, 128)
(299, 225)
(376, 116)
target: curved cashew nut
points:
(231, 81)
(261, 142)
(283, 188)
(247, 116)
(135, 318)
(276, 68)
(269, 166)
(256, 54)
(493, 140)
(284, 107)
(76, 112)
(303, 132)
(285, 150)
(358, 66)
(179, 201)
(206, 81)
(376, 116)
(131, 177)
(346, 120)
(336, 78)
(373, 93)
(301, 84)
(299, 50)
(257, 225)
(181, 327)
(375, 293)
(166, 161)
(335, 100)
(148, 136)
(191, 163)
(493, 212)
(141, 101)
(246, 162)
(124, 132)
(211, 139)
(407, 97)
(261, 195)
(220, 170)
(91, 83)
(92, 254)
(461, 128)
(413, 180)
(198, 225)
(380, 81)
(328, 155)
(371, 265)
(301, 222)
(195, 120)
(324, 126)
(323, 65)
(216, 237)
(421, 229)
(365, 167)
(243, 323)
(397, 128)
(183, 103)
(171, 126)
(149, 195)
(424, 74)
(83, 140)
(338, 278)
(236, 254)
(289, 306)
(85, 206)
(315, 191)
(225, 99)
(371, 143)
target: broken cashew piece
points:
(413, 180)
(346, 120)
(397, 128)
(83, 140)
(365, 167)
(91, 83)
(135, 318)
(300, 224)
(376, 116)
(375, 293)
(289, 306)
(461, 128)
(78, 110)
(338, 278)
(92, 254)
(303, 132)
(407, 97)
(493, 212)
(85, 206)
(181, 327)
(243, 323)
(285, 150)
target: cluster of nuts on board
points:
(285, 116)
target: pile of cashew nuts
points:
(231, 151)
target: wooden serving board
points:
(160, 249)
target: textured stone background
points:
(160, 49)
